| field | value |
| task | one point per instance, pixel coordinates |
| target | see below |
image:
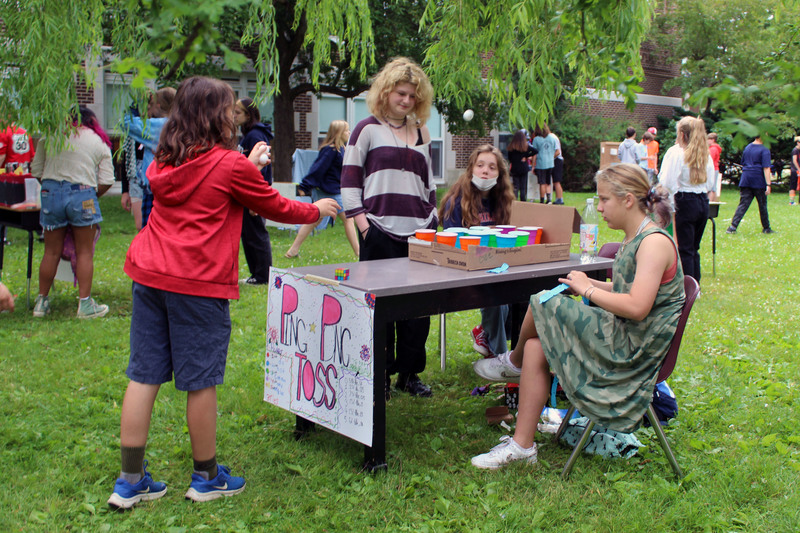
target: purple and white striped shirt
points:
(388, 181)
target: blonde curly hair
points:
(401, 70)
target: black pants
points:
(407, 355)
(257, 247)
(746, 195)
(520, 186)
(691, 215)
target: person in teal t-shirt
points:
(547, 147)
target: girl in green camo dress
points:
(606, 356)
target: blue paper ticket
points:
(552, 292)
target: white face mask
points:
(483, 184)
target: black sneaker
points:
(411, 384)
(768, 230)
(731, 231)
(251, 281)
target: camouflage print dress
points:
(608, 365)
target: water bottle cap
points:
(590, 200)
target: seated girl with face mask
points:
(483, 196)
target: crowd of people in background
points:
(194, 187)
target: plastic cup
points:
(506, 241)
(482, 235)
(535, 232)
(469, 240)
(425, 234)
(447, 238)
(32, 191)
(457, 230)
(521, 236)
(505, 228)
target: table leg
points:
(303, 427)
(713, 248)
(30, 268)
(375, 455)
(443, 340)
(2, 248)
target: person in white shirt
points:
(688, 173)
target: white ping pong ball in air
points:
(468, 114)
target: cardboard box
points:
(558, 222)
(608, 153)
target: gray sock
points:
(133, 479)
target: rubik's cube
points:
(342, 274)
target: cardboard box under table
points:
(558, 223)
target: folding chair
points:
(609, 250)
(692, 289)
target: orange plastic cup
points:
(446, 237)
(425, 234)
(469, 240)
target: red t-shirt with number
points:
(16, 145)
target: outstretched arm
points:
(653, 258)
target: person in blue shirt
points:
(324, 180)
(482, 196)
(756, 182)
(147, 134)
(546, 144)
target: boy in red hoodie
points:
(184, 267)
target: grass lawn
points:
(737, 435)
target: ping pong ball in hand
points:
(468, 114)
(264, 159)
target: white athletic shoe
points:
(498, 368)
(506, 452)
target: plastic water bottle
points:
(589, 232)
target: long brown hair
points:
(502, 193)
(252, 112)
(201, 118)
(541, 131)
(519, 143)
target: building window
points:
(266, 106)
(116, 101)
(331, 108)
(503, 140)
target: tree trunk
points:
(284, 143)
(288, 42)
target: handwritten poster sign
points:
(319, 357)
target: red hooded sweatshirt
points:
(191, 242)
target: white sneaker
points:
(41, 307)
(91, 309)
(507, 451)
(498, 368)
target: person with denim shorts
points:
(184, 267)
(72, 180)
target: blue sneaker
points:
(126, 495)
(224, 484)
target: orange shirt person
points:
(652, 152)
